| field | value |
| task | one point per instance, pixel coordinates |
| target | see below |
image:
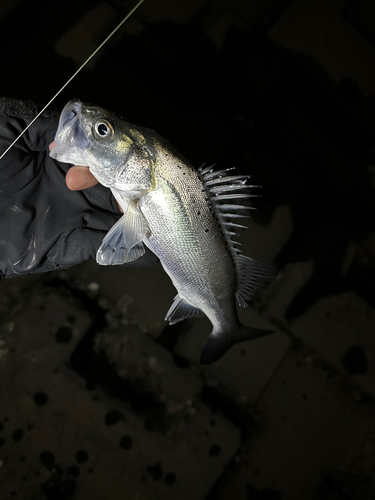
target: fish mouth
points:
(70, 137)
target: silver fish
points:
(186, 217)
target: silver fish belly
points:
(186, 217)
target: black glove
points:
(43, 225)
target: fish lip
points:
(70, 133)
(71, 111)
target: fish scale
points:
(191, 247)
(185, 216)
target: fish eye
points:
(103, 129)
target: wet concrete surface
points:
(99, 397)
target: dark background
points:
(280, 89)
(301, 124)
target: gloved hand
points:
(43, 225)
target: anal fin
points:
(181, 309)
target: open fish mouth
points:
(70, 137)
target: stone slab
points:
(135, 288)
(64, 437)
(341, 328)
(308, 421)
(246, 368)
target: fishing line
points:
(78, 70)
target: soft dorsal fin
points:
(251, 276)
(225, 191)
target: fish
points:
(187, 217)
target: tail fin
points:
(219, 343)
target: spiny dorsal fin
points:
(225, 191)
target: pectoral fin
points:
(136, 225)
(123, 242)
(112, 251)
